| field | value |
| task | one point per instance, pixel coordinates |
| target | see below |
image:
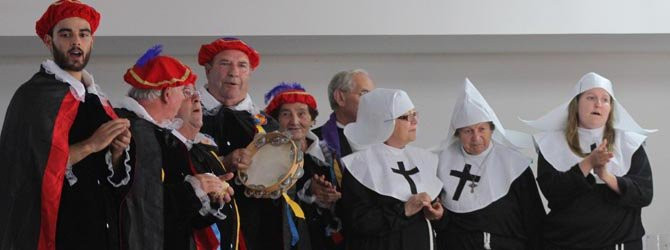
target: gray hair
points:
(342, 81)
(144, 94)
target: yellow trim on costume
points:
(294, 206)
(260, 129)
(237, 215)
(162, 175)
(173, 80)
(217, 159)
(294, 92)
(338, 172)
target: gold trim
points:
(173, 80)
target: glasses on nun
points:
(410, 117)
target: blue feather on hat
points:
(151, 53)
(281, 87)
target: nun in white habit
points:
(593, 170)
(490, 195)
(389, 190)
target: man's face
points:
(70, 43)
(191, 111)
(228, 76)
(174, 98)
(362, 84)
(296, 119)
(475, 138)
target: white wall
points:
(516, 84)
(354, 17)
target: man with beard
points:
(60, 142)
(233, 120)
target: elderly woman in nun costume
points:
(593, 170)
(389, 189)
(490, 195)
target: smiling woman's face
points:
(594, 108)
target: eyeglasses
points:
(412, 116)
(190, 92)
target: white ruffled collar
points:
(79, 87)
(133, 106)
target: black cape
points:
(158, 206)
(374, 221)
(321, 221)
(264, 222)
(40, 208)
(204, 159)
(513, 221)
(603, 217)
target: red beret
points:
(153, 71)
(65, 9)
(288, 93)
(208, 51)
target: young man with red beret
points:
(233, 120)
(165, 197)
(60, 142)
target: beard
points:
(61, 59)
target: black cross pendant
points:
(407, 174)
(464, 176)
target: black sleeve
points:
(561, 188)
(636, 186)
(366, 214)
(532, 209)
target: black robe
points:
(320, 219)
(204, 159)
(264, 222)
(513, 221)
(158, 207)
(586, 215)
(39, 207)
(374, 221)
(345, 148)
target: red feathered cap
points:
(288, 93)
(208, 51)
(153, 71)
(65, 9)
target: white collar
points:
(79, 88)
(497, 168)
(200, 138)
(477, 159)
(133, 106)
(588, 137)
(183, 139)
(314, 149)
(555, 149)
(339, 125)
(208, 101)
(373, 167)
(211, 104)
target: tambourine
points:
(276, 166)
